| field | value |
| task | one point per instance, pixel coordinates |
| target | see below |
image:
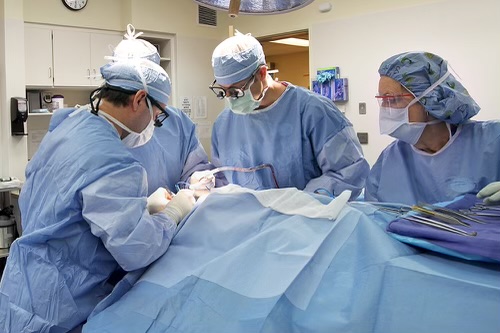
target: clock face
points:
(75, 4)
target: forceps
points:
(439, 225)
(480, 206)
(445, 217)
(452, 212)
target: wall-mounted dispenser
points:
(19, 115)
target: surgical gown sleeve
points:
(115, 208)
(340, 158)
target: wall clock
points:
(75, 4)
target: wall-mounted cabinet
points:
(78, 56)
(59, 57)
(66, 57)
(66, 61)
(38, 56)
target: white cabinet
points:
(165, 43)
(78, 55)
(101, 45)
(38, 56)
(66, 57)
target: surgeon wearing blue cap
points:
(84, 205)
(439, 153)
(303, 135)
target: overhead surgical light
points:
(254, 7)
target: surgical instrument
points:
(480, 213)
(455, 213)
(485, 207)
(438, 225)
(212, 172)
(441, 216)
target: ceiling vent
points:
(207, 16)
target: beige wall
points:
(361, 43)
(303, 18)
(292, 67)
(194, 44)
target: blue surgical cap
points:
(237, 58)
(135, 63)
(417, 71)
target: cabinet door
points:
(101, 45)
(71, 58)
(38, 56)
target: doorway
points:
(287, 56)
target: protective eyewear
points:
(394, 101)
(232, 92)
(162, 116)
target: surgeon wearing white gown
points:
(303, 135)
(439, 152)
(84, 205)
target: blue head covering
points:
(237, 58)
(135, 65)
(417, 71)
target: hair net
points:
(236, 58)
(417, 71)
(135, 65)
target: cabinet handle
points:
(95, 73)
(50, 72)
(88, 73)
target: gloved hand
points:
(202, 182)
(490, 193)
(158, 200)
(180, 205)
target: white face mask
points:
(402, 129)
(395, 122)
(245, 104)
(134, 139)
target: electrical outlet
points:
(362, 108)
(363, 137)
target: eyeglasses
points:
(162, 116)
(232, 92)
(393, 100)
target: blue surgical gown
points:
(466, 164)
(303, 135)
(173, 153)
(84, 219)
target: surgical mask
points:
(245, 104)
(395, 122)
(411, 132)
(134, 139)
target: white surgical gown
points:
(173, 153)
(466, 164)
(84, 217)
(310, 144)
